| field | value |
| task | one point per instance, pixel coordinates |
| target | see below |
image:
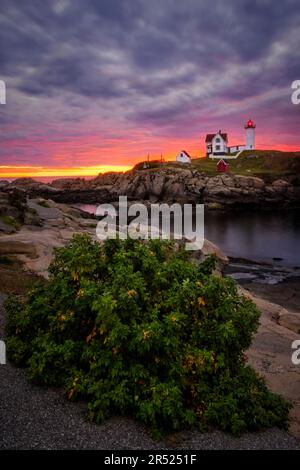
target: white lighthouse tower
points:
(250, 135)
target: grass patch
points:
(261, 163)
(268, 164)
(31, 210)
(43, 203)
(6, 260)
(7, 219)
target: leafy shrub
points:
(17, 198)
(9, 220)
(43, 203)
(6, 260)
(138, 329)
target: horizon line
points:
(39, 171)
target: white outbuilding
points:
(183, 157)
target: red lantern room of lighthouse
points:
(250, 124)
(250, 135)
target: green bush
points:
(9, 220)
(17, 198)
(138, 329)
(5, 260)
(43, 203)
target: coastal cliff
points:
(52, 225)
(171, 184)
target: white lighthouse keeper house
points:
(250, 135)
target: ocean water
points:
(270, 240)
(48, 179)
(269, 237)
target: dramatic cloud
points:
(93, 82)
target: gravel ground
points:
(36, 418)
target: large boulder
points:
(174, 190)
(157, 185)
(208, 249)
(280, 185)
(290, 320)
(10, 246)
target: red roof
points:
(222, 166)
(183, 151)
(209, 137)
(222, 162)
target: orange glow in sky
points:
(39, 171)
(96, 86)
(123, 161)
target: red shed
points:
(222, 166)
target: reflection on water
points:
(260, 236)
(90, 208)
(266, 237)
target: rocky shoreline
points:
(22, 426)
(30, 230)
(48, 224)
(223, 191)
(35, 417)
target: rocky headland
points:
(35, 219)
(171, 184)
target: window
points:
(218, 139)
(218, 147)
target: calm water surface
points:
(257, 236)
(271, 238)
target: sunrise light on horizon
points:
(33, 172)
(100, 94)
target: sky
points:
(97, 85)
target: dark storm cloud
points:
(152, 34)
(157, 59)
(69, 74)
